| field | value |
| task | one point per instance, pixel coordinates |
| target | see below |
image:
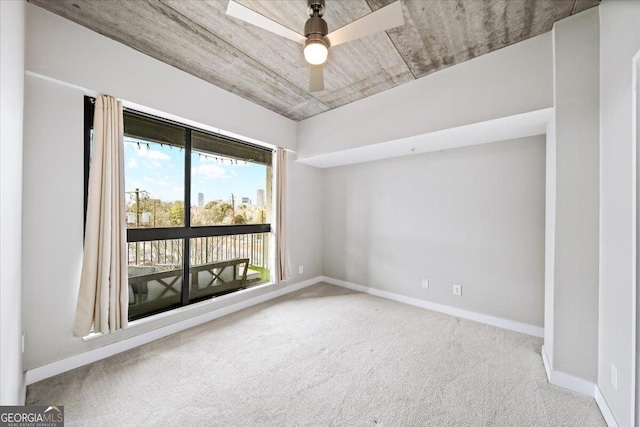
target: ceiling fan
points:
(316, 38)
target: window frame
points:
(186, 232)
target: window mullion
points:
(89, 109)
(187, 218)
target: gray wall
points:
(472, 216)
(11, 119)
(550, 237)
(305, 220)
(52, 240)
(619, 42)
(577, 110)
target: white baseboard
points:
(572, 383)
(548, 366)
(567, 381)
(23, 391)
(604, 408)
(55, 368)
(578, 385)
(453, 311)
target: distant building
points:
(200, 200)
(261, 198)
(246, 201)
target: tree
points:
(222, 211)
(240, 219)
(177, 213)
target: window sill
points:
(185, 309)
(92, 336)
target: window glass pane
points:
(155, 276)
(223, 264)
(230, 183)
(154, 184)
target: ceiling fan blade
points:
(316, 78)
(382, 19)
(245, 14)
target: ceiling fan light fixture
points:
(316, 51)
(316, 36)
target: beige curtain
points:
(283, 271)
(103, 298)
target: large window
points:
(198, 211)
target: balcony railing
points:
(203, 250)
(217, 265)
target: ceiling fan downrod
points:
(315, 8)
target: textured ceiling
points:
(197, 37)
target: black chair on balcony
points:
(218, 278)
(149, 293)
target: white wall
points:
(550, 236)
(575, 293)
(53, 179)
(11, 120)
(509, 81)
(619, 41)
(472, 216)
(60, 49)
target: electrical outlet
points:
(425, 283)
(614, 377)
(301, 269)
(457, 290)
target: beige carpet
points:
(323, 356)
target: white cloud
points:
(152, 154)
(132, 163)
(210, 171)
(148, 179)
(128, 144)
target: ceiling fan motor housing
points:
(315, 29)
(316, 25)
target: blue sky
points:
(160, 171)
